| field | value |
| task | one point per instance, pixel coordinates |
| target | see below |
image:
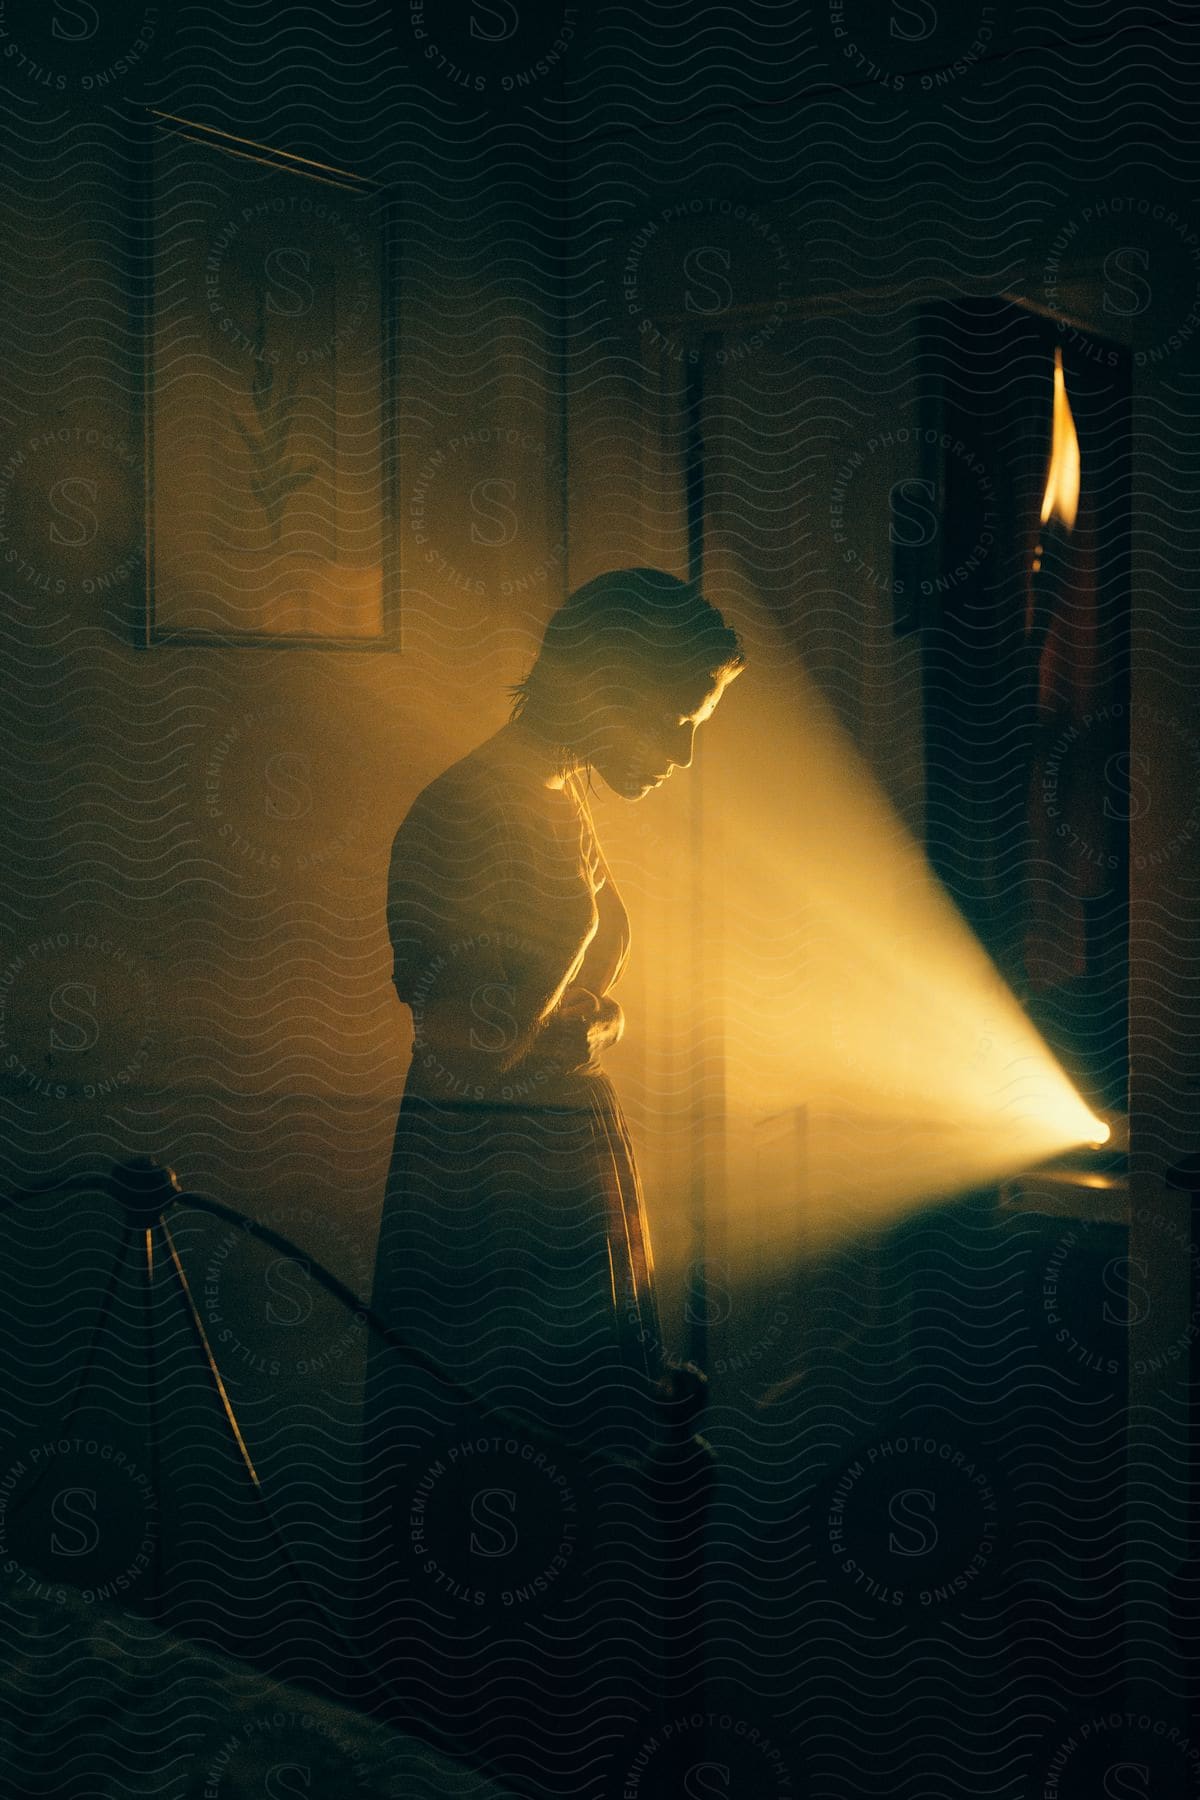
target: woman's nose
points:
(682, 745)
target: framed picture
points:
(269, 397)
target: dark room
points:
(600, 920)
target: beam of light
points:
(851, 1054)
(863, 1051)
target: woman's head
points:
(629, 666)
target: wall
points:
(195, 838)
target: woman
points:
(498, 1584)
(513, 1248)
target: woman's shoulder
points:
(476, 801)
(471, 786)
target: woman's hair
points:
(630, 627)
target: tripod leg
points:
(355, 1659)
(197, 1325)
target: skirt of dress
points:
(504, 1574)
(513, 1252)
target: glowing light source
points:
(1061, 498)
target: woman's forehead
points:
(697, 697)
(686, 692)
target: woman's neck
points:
(550, 760)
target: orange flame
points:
(1061, 498)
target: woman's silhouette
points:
(513, 1247)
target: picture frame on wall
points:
(269, 397)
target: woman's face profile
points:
(639, 736)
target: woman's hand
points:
(582, 1026)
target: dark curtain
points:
(1026, 675)
(1079, 801)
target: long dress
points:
(504, 1577)
(513, 1245)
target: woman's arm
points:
(589, 1023)
(496, 1016)
(600, 1012)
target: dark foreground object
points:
(99, 1703)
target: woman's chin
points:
(630, 787)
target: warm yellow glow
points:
(803, 998)
(1061, 498)
(864, 1055)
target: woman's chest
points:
(609, 945)
(567, 893)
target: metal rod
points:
(201, 1336)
